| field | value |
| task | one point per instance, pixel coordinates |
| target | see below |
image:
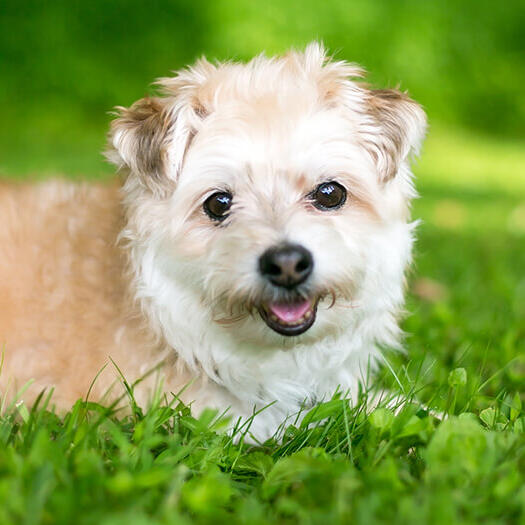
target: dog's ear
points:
(398, 128)
(150, 139)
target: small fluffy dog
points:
(254, 254)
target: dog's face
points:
(278, 206)
(274, 184)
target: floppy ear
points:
(150, 139)
(400, 126)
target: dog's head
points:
(270, 190)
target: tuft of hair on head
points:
(332, 76)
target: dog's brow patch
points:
(302, 184)
(366, 206)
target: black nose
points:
(287, 265)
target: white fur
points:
(267, 130)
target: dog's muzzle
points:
(286, 267)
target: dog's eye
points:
(328, 196)
(217, 205)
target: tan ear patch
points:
(401, 124)
(140, 138)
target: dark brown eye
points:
(217, 205)
(328, 196)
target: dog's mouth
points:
(289, 318)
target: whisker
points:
(230, 320)
(349, 306)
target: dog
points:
(253, 256)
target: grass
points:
(340, 466)
(465, 356)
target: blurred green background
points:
(64, 64)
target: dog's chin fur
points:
(189, 292)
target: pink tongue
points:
(289, 312)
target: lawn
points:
(465, 356)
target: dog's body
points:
(64, 298)
(264, 234)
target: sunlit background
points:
(65, 64)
